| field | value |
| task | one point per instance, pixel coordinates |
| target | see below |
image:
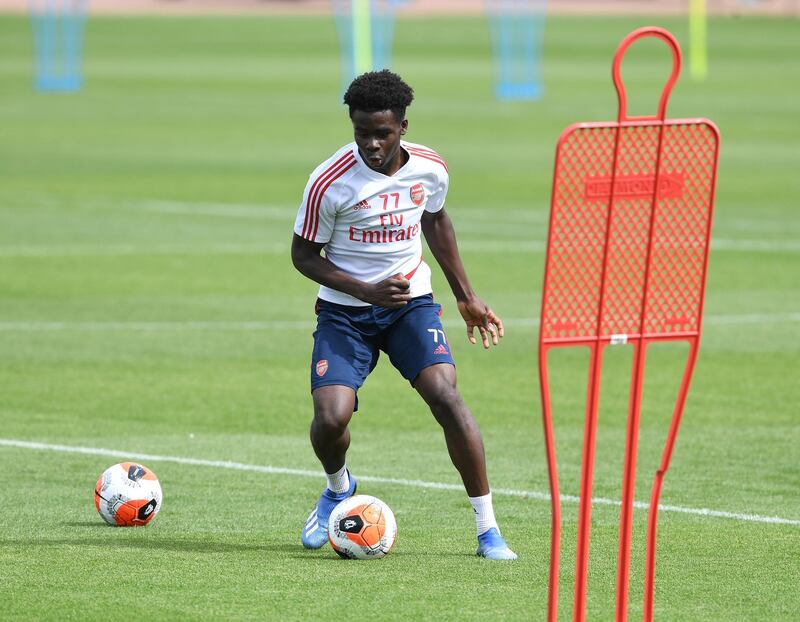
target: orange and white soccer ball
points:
(127, 494)
(362, 527)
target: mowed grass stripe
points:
(413, 483)
(278, 248)
(261, 325)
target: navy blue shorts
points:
(348, 341)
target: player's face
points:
(378, 135)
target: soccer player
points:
(366, 207)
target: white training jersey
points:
(369, 222)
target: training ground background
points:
(148, 306)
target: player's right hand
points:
(391, 293)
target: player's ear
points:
(403, 126)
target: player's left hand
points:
(477, 314)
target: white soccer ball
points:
(127, 494)
(362, 527)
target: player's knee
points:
(447, 406)
(329, 420)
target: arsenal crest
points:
(322, 367)
(417, 194)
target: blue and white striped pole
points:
(517, 29)
(58, 27)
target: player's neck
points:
(398, 161)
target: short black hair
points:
(376, 91)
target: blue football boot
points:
(315, 531)
(491, 545)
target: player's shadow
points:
(326, 556)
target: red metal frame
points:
(627, 254)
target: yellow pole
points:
(698, 46)
(362, 36)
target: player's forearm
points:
(441, 237)
(319, 269)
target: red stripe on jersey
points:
(432, 159)
(333, 176)
(423, 150)
(428, 155)
(410, 274)
(308, 223)
(316, 200)
(431, 156)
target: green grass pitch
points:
(148, 305)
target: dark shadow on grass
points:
(440, 554)
(179, 545)
(330, 556)
(308, 557)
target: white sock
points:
(484, 513)
(339, 482)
